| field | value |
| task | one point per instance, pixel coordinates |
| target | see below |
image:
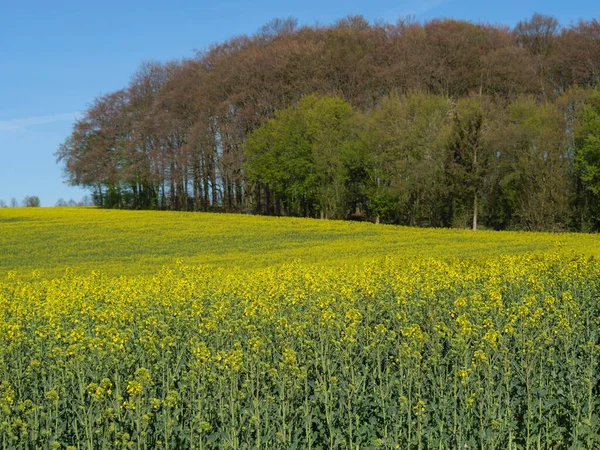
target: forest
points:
(445, 123)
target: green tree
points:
(405, 138)
(304, 155)
(587, 157)
(534, 166)
(31, 201)
(469, 160)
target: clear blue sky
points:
(57, 56)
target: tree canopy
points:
(442, 123)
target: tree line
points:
(443, 123)
(33, 201)
(29, 201)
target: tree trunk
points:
(475, 193)
(475, 211)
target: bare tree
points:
(538, 36)
(86, 200)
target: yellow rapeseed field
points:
(146, 330)
(114, 242)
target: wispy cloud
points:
(22, 124)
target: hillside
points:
(141, 242)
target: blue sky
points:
(56, 57)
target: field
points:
(139, 243)
(176, 330)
